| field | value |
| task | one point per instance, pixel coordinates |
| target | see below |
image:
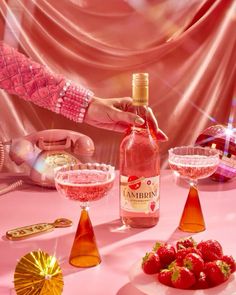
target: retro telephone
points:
(45, 150)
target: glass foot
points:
(84, 252)
(192, 219)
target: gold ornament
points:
(38, 273)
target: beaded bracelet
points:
(73, 101)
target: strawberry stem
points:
(157, 246)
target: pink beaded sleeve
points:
(33, 82)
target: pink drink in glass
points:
(84, 185)
(193, 171)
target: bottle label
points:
(139, 194)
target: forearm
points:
(33, 82)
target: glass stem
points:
(193, 182)
(84, 206)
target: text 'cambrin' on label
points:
(139, 194)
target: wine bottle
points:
(139, 165)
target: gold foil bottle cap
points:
(140, 84)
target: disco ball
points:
(223, 139)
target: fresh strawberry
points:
(166, 253)
(230, 261)
(211, 250)
(194, 262)
(182, 278)
(185, 243)
(181, 254)
(201, 282)
(173, 264)
(151, 263)
(164, 277)
(217, 272)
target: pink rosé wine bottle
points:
(139, 165)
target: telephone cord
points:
(1, 155)
(15, 184)
(11, 187)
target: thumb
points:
(161, 136)
(127, 117)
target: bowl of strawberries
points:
(186, 265)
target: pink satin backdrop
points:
(188, 47)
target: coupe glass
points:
(193, 163)
(84, 183)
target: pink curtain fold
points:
(188, 47)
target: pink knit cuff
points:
(33, 82)
(73, 101)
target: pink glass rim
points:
(86, 166)
(185, 151)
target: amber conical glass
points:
(84, 252)
(192, 219)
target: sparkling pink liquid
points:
(193, 172)
(83, 185)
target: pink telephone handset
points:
(45, 150)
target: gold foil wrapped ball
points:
(38, 273)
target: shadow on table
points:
(129, 289)
(106, 234)
(227, 287)
(178, 235)
(5, 291)
(207, 184)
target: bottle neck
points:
(140, 89)
(140, 95)
(140, 109)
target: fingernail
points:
(139, 121)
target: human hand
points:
(160, 135)
(115, 114)
(111, 114)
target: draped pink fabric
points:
(188, 47)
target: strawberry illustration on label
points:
(134, 183)
(152, 206)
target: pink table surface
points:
(119, 247)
